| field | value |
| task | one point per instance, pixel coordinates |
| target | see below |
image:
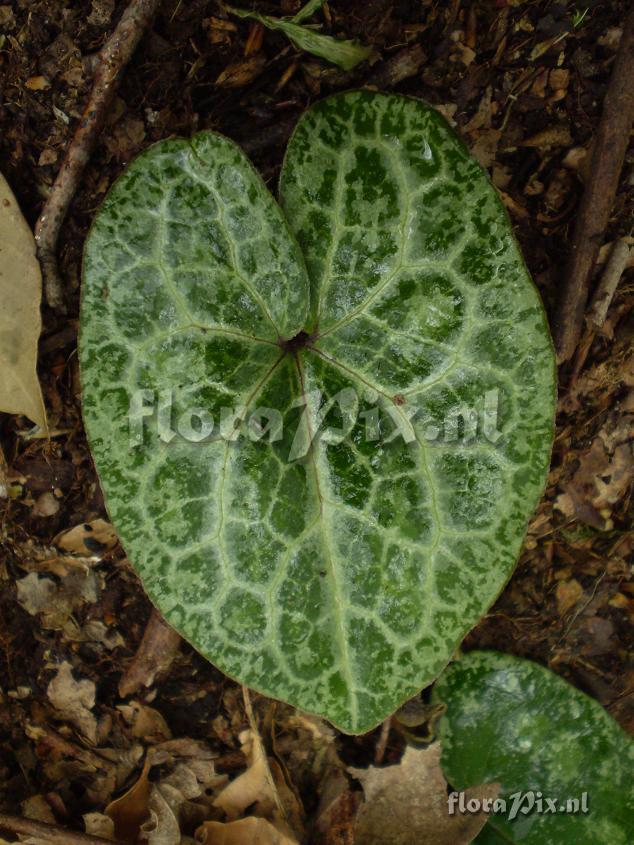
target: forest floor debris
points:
(524, 84)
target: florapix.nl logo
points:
(516, 803)
(370, 417)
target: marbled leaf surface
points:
(380, 379)
(512, 721)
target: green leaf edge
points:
(344, 53)
(502, 659)
(554, 373)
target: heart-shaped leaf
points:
(381, 423)
(512, 721)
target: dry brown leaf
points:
(251, 831)
(37, 83)
(180, 795)
(218, 31)
(126, 137)
(513, 206)
(153, 811)
(254, 786)
(611, 38)
(162, 827)
(482, 118)
(483, 138)
(35, 558)
(100, 12)
(406, 804)
(334, 820)
(485, 148)
(56, 602)
(36, 594)
(7, 18)
(37, 807)
(263, 785)
(130, 810)
(554, 136)
(558, 78)
(74, 700)
(604, 472)
(145, 722)
(89, 538)
(241, 73)
(45, 505)
(95, 631)
(448, 111)
(568, 594)
(101, 771)
(20, 321)
(96, 824)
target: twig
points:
(608, 153)
(112, 59)
(159, 646)
(4, 476)
(614, 269)
(405, 64)
(50, 833)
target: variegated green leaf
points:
(565, 767)
(394, 422)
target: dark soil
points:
(524, 83)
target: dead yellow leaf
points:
(88, 538)
(20, 321)
(406, 804)
(37, 83)
(254, 786)
(568, 594)
(145, 722)
(73, 700)
(262, 785)
(251, 831)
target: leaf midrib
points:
(332, 568)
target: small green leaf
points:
(514, 722)
(307, 10)
(337, 564)
(344, 53)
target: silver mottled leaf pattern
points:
(336, 572)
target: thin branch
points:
(405, 64)
(608, 153)
(111, 61)
(156, 653)
(604, 294)
(50, 834)
(601, 301)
